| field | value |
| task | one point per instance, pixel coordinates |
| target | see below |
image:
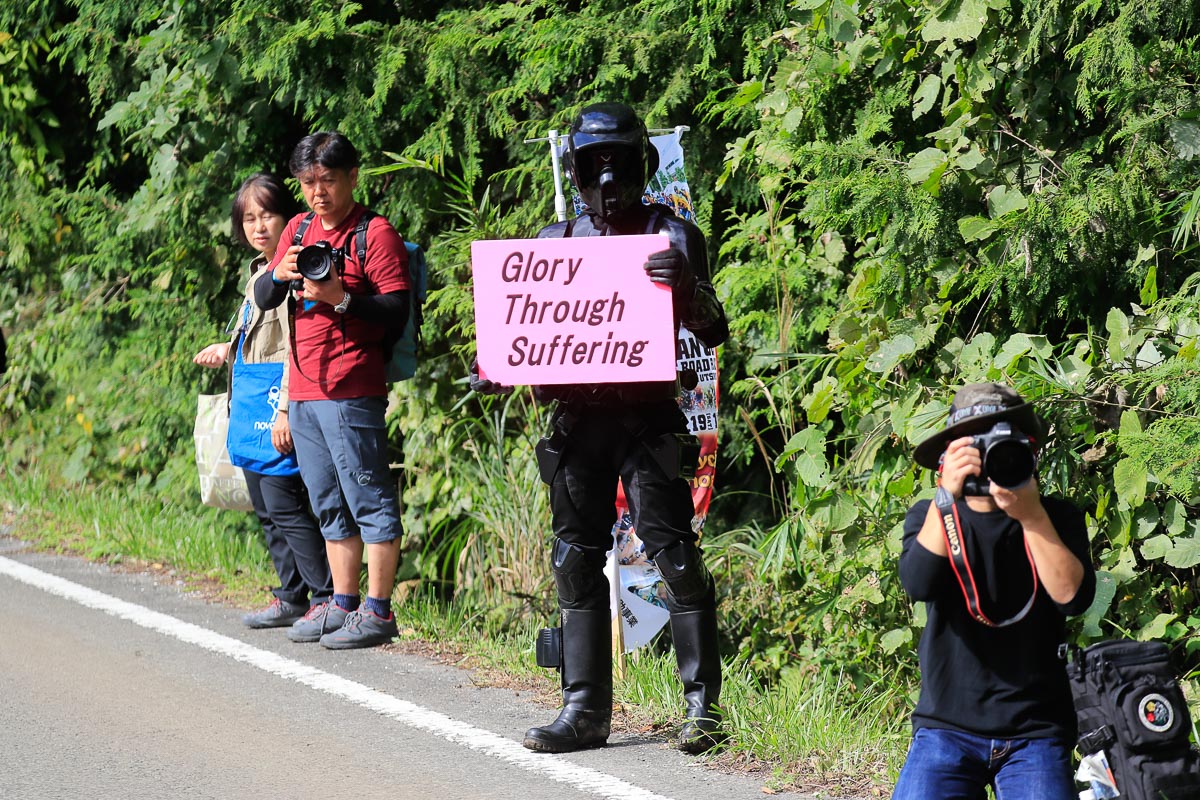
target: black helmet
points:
(609, 157)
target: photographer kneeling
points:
(1000, 568)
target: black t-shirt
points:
(997, 682)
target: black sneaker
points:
(361, 629)
(279, 614)
(320, 620)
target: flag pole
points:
(614, 603)
(560, 199)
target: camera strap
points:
(956, 543)
(360, 233)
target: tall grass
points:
(815, 732)
(499, 549)
(115, 524)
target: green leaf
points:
(890, 352)
(819, 402)
(1146, 252)
(1106, 590)
(1149, 291)
(1185, 553)
(1131, 423)
(926, 420)
(114, 115)
(1117, 325)
(1017, 345)
(1148, 356)
(1145, 521)
(1129, 481)
(974, 229)
(747, 93)
(1156, 628)
(923, 165)
(807, 440)
(933, 184)
(902, 486)
(975, 359)
(1156, 548)
(1125, 568)
(1002, 200)
(895, 639)
(970, 159)
(901, 411)
(926, 95)
(1185, 135)
(808, 449)
(1174, 517)
(834, 513)
(958, 20)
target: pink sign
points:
(571, 311)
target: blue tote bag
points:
(253, 406)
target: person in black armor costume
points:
(631, 431)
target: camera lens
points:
(1009, 463)
(314, 262)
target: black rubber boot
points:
(699, 659)
(587, 686)
(692, 601)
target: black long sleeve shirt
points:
(996, 682)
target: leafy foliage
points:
(904, 195)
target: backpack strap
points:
(360, 237)
(298, 239)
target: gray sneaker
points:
(361, 629)
(279, 614)
(320, 620)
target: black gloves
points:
(670, 268)
(483, 385)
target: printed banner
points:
(547, 312)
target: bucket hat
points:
(975, 409)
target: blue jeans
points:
(949, 765)
(342, 449)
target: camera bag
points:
(1129, 705)
(401, 349)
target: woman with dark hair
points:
(261, 209)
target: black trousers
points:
(606, 444)
(293, 539)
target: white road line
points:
(554, 767)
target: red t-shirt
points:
(341, 356)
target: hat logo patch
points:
(1155, 713)
(974, 411)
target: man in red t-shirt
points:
(337, 392)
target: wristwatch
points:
(342, 306)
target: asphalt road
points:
(120, 685)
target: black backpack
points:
(1130, 706)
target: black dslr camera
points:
(317, 261)
(1008, 459)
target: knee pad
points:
(579, 576)
(688, 579)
